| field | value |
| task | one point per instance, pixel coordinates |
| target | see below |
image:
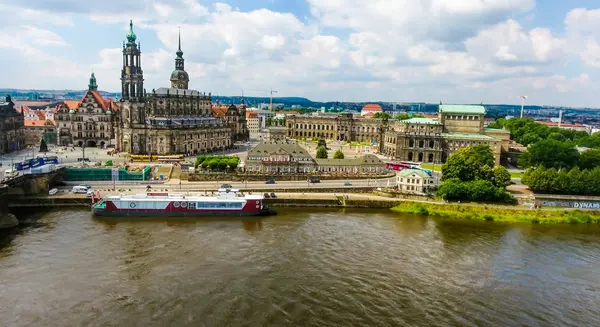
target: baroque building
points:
(11, 127)
(174, 119)
(430, 140)
(88, 122)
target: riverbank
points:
(499, 213)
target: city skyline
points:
(321, 50)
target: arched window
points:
(430, 159)
(420, 157)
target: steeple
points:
(132, 76)
(179, 77)
(131, 35)
(93, 86)
(179, 53)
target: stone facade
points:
(89, 122)
(12, 137)
(429, 140)
(288, 157)
(338, 127)
(171, 120)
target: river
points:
(300, 268)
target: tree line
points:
(563, 181)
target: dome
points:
(180, 75)
(131, 35)
(108, 112)
(72, 111)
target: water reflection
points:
(313, 268)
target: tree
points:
(338, 154)
(269, 121)
(556, 136)
(321, 152)
(467, 163)
(501, 176)
(590, 159)
(43, 146)
(382, 115)
(550, 153)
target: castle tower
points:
(179, 77)
(132, 76)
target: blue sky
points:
(347, 50)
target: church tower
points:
(179, 77)
(132, 77)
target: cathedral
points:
(170, 120)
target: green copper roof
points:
(466, 136)
(421, 121)
(131, 36)
(409, 172)
(462, 109)
(93, 86)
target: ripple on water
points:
(318, 268)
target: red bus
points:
(397, 165)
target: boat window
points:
(219, 205)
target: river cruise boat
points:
(226, 202)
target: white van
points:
(80, 189)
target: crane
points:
(271, 92)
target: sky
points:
(454, 51)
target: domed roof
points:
(372, 107)
(108, 112)
(72, 111)
(180, 74)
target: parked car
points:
(314, 179)
(53, 191)
(80, 189)
(89, 193)
(273, 195)
(83, 159)
(226, 186)
(270, 181)
(266, 195)
(347, 184)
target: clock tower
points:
(179, 77)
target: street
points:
(190, 186)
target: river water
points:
(300, 268)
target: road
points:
(188, 186)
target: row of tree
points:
(559, 155)
(217, 162)
(468, 175)
(563, 181)
(323, 154)
(526, 131)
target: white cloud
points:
(401, 50)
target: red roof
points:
(219, 110)
(36, 123)
(372, 107)
(369, 114)
(251, 114)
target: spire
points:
(131, 35)
(93, 86)
(179, 52)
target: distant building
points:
(253, 122)
(263, 115)
(414, 181)
(367, 164)
(36, 130)
(11, 127)
(573, 127)
(371, 109)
